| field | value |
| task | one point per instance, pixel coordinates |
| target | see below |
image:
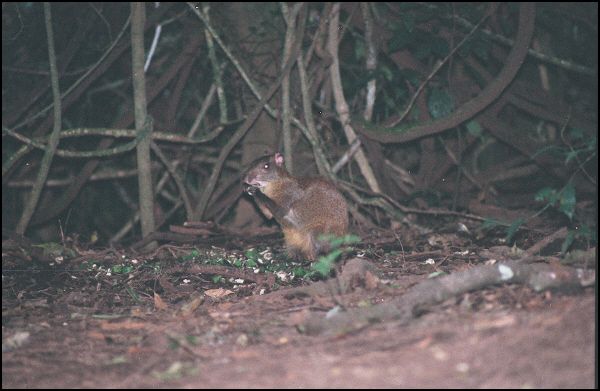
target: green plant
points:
(325, 263)
(564, 199)
(121, 269)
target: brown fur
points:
(310, 206)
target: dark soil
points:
(88, 329)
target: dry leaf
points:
(217, 293)
(188, 308)
(159, 304)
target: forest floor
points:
(114, 319)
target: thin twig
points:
(54, 137)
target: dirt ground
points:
(66, 329)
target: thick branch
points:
(142, 123)
(538, 276)
(474, 106)
(341, 105)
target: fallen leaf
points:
(188, 308)
(159, 304)
(217, 293)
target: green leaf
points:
(299, 272)
(570, 156)
(251, 254)
(386, 72)
(321, 268)
(576, 133)
(474, 128)
(512, 230)
(567, 201)
(359, 49)
(325, 263)
(121, 269)
(440, 103)
(489, 223)
(567, 242)
(587, 233)
(547, 194)
(336, 241)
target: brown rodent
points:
(304, 207)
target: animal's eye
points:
(266, 166)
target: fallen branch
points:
(537, 276)
(539, 246)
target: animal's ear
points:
(279, 159)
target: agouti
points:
(304, 207)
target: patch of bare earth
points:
(502, 336)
